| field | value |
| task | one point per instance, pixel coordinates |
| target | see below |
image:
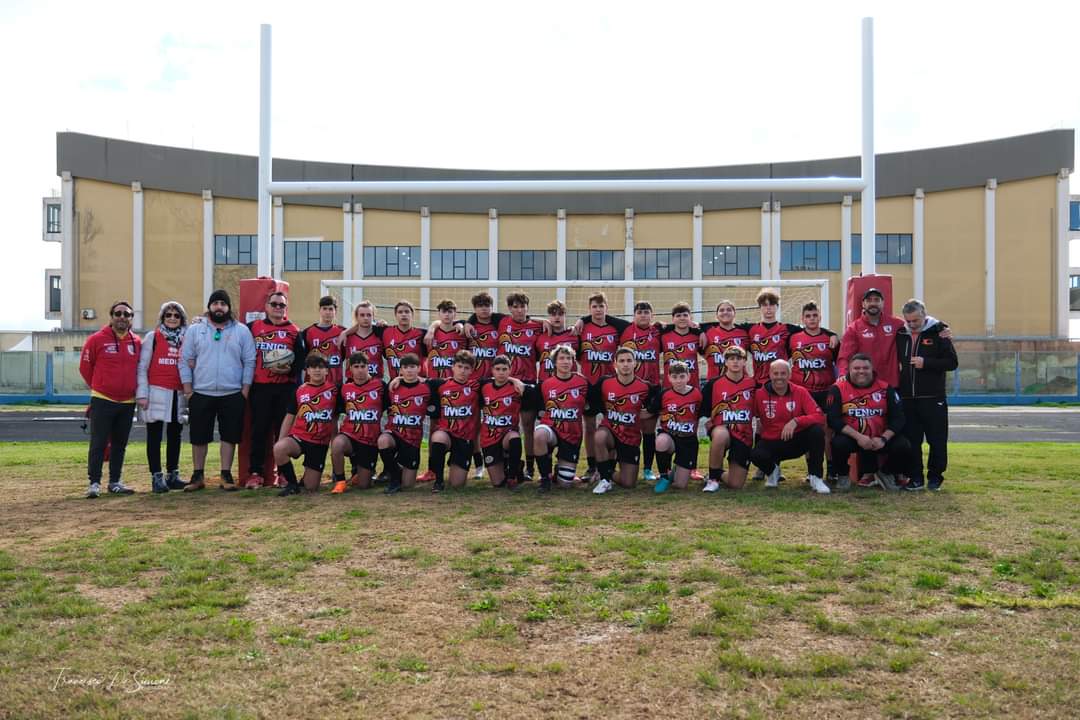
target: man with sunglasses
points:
(217, 364)
(109, 365)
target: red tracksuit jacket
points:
(775, 411)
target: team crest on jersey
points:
(418, 400)
(745, 394)
(791, 405)
(877, 397)
(634, 399)
(821, 347)
(373, 394)
(528, 333)
(327, 393)
(888, 328)
(507, 401)
(466, 390)
(575, 393)
(282, 334)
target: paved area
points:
(967, 424)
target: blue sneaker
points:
(662, 484)
(651, 476)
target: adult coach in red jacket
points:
(874, 334)
(792, 425)
(109, 365)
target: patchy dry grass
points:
(482, 603)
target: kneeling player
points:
(627, 400)
(361, 402)
(680, 408)
(309, 423)
(728, 402)
(792, 425)
(407, 405)
(563, 400)
(500, 416)
(457, 419)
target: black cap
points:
(219, 295)
(873, 291)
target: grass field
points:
(479, 603)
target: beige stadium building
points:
(979, 231)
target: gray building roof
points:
(227, 175)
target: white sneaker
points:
(711, 486)
(772, 480)
(479, 474)
(887, 480)
(94, 491)
(602, 487)
(819, 485)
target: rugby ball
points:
(278, 359)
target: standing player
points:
(500, 418)
(718, 336)
(813, 364)
(444, 339)
(402, 339)
(362, 401)
(558, 334)
(728, 402)
(643, 337)
(457, 421)
(407, 405)
(626, 400)
(483, 330)
(307, 428)
(366, 337)
(320, 337)
(563, 395)
(680, 408)
(599, 335)
(681, 343)
(768, 336)
(518, 334)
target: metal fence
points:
(999, 377)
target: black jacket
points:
(939, 357)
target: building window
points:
(1074, 293)
(719, 260)
(1074, 215)
(459, 264)
(813, 255)
(54, 293)
(309, 255)
(236, 250)
(595, 265)
(392, 261)
(52, 218)
(892, 248)
(663, 264)
(527, 265)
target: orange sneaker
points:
(696, 476)
(254, 482)
(426, 476)
(354, 481)
(339, 487)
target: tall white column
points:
(766, 242)
(869, 159)
(279, 241)
(989, 212)
(358, 241)
(774, 241)
(628, 262)
(137, 253)
(425, 262)
(845, 245)
(918, 245)
(560, 253)
(265, 171)
(1061, 257)
(346, 241)
(68, 253)
(696, 265)
(493, 251)
(209, 255)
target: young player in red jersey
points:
(599, 335)
(676, 434)
(443, 340)
(768, 336)
(361, 401)
(320, 337)
(500, 418)
(626, 400)
(679, 342)
(402, 339)
(457, 421)
(483, 330)
(563, 395)
(813, 364)
(728, 402)
(365, 336)
(643, 337)
(719, 336)
(407, 404)
(307, 428)
(558, 334)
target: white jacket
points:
(161, 399)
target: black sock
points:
(226, 475)
(607, 469)
(389, 460)
(478, 459)
(716, 473)
(513, 458)
(437, 460)
(286, 471)
(663, 462)
(648, 445)
(530, 460)
(337, 478)
(544, 463)
(196, 475)
(592, 465)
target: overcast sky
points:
(577, 85)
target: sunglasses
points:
(122, 314)
(279, 306)
(172, 315)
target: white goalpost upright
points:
(268, 188)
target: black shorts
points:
(408, 456)
(739, 452)
(686, 449)
(364, 456)
(568, 452)
(627, 454)
(493, 454)
(314, 455)
(594, 400)
(227, 410)
(531, 401)
(461, 452)
(820, 397)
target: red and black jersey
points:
(768, 342)
(500, 411)
(680, 347)
(518, 342)
(321, 340)
(444, 345)
(679, 412)
(870, 410)
(362, 406)
(813, 362)
(372, 347)
(457, 407)
(545, 344)
(598, 346)
(406, 407)
(269, 337)
(731, 403)
(397, 343)
(645, 342)
(623, 404)
(315, 410)
(485, 346)
(564, 406)
(715, 340)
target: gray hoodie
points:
(217, 367)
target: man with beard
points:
(873, 333)
(217, 364)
